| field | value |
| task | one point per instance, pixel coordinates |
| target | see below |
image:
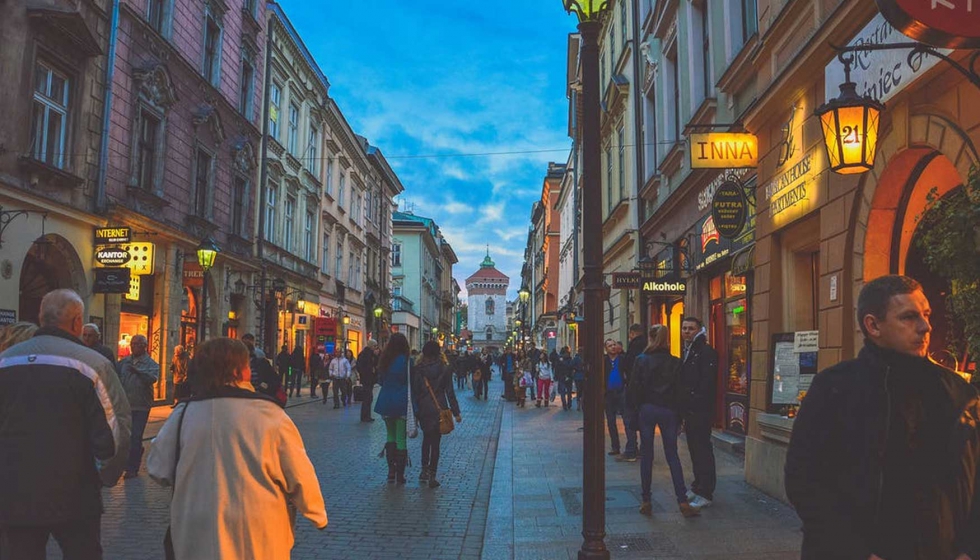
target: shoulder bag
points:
(446, 424)
(411, 425)
(168, 541)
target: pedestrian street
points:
(511, 489)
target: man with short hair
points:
(138, 373)
(367, 369)
(638, 341)
(64, 432)
(699, 386)
(884, 460)
(93, 339)
(249, 340)
(615, 394)
(264, 377)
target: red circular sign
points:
(941, 23)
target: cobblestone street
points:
(529, 458)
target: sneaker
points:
(626, 458)
(614, 452)
(690, 495)
(700, 502)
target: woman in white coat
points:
(238, 461)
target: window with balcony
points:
(49, 120)
(212, 50)
(293, 132)
(147, 138)
(275, 99)
(203, 182)
(288, 223)
(271, 193)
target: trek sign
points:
(952, 24)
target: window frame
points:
(246, 88)
(239, 204)
(396, 255)
(339, 259)
(308, 239)
(206, 197)
(275, 109)
(292, 128)
(325, 254)
(621, 137)
(313, 150)
(212, 71)
(706, 50)
(289, 222)
(271, 196)
(48, 104)
(157, 149)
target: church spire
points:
(487, 261)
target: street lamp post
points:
(378, 311)
(589, 13)
(207, 251)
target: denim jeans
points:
(651, 417)
(140, 417)
(565, 390)
(616, 404)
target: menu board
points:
(791, 372)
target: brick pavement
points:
(367, 518)
(536, 502)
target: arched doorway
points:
(50, 264)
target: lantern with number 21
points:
(850, 127)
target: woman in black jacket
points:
(652, 392)
(431, 377)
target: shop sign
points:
(113, 234)
(792, 192)
(625, 280)
(133, 294)
(708, 193)
(112, 256)
(720, 150)
(111, 281)
(665, 287)
(140, 258)
(193, 274)
(729, 209)
(710, 245)
(940, 23)
(878, 74)
(8, 316)
(325, 326)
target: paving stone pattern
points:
(367, 518)
(536, 502)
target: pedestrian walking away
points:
(699, 380)
(652, 392)
(264, 377)
(340, 377)
(392, 404)
(229, 452)
(578, 376)
(282, 365)
(637, 344)
(138, 372)
(367, 369)
(884, 460)
(563, 376)
(545, 375)
(64, 433)
(432, 393)
(317, 372)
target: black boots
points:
(390, 454)
(401, 458)
(433, 483)
(424, 475)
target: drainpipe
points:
(263, 177)
(639, 145)
(101, 204)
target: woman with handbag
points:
(652, 389)
(214, 451)
(392, 405)
(435, 406)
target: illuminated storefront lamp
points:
(207, 251)
(850, 127)
(346, 319)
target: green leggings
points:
(396, 431)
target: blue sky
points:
(427, 77)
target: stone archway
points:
(938, 154)
(50, 264)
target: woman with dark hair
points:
(229, 452)
(392, 405)
(651, 391)
(432, 392)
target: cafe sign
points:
(723, 150)
(953, 24)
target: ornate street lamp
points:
(590, 13)
(378, 311)
(207, 252)
(346, 319)
(850, 127)
(524, 295)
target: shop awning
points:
(743, 261)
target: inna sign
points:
(724, 150)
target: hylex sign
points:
(721, 150)
(940, 23)
(878, 74)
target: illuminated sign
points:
(112, 256)
(729, 209)
(193, 274)
(720, 150)
(940, 23)
(665, 288)
(793, 192)
(141, 258)
(134, 288)
(112, 235)
(709, 234)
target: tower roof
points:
(487, 271)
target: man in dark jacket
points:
(264, 377)
(64, 433)
(297, 369)
(615, 393)
(638, 341)
(699, 380)
(534, 355)
(92, 337)
(138, 373)
(367, 369)
(885, 453)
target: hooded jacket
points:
(64, 430)
(884, 460)
(699, 377)
(436, 372)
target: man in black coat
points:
(699, 382)
(884, 460)
(367, 370)
(638, 341)
(297, 369)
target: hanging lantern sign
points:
(953, 24)
(850, 128)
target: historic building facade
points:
(379, 206)
(417, 269)
(486, 291)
